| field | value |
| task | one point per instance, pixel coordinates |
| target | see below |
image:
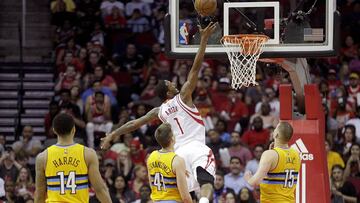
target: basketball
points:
(205, 7)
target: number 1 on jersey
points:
(177, 121)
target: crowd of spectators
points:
(108, 59)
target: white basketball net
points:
(243, 52)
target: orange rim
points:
(238, 38)
(249, 42)
(272, 60)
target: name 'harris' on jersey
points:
(66, 174)
(280, 183)
(186, 122)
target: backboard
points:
(296, 28)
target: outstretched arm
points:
(267, 162)
(190, 85)
(129, 127)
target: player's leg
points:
(204, 165)
(206, 181)
(90, 129)
(185, 153)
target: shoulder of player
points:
(41, 159)
(270, 154)
(89, 151)
(152, 154)
(41, 156)
(89, 154)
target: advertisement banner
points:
(309, 140)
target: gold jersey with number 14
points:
(163, 180)
(66, 174)
(280, 184)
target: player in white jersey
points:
(186, 123)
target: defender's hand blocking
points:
(206, 32)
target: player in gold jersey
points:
(167, 171)
(63, 170)
(278, 169)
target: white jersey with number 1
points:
(186, 123)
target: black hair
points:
(260, 145)
(99, 93)
(113, 189)
(63, 124)
(94, 52)
(53, 102)
(238, 158)
(220, 173)
(65, 91)
(136, 10)
(353, 145)
(161, 90)
(251, 196)
(95, 81)
(337, 166)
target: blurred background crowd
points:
(109, 57)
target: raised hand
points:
(206, 32)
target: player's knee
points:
(90, 126)
(108, 127)
(204, 178)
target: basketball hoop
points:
(243, 52)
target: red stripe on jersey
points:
(187, 108)
(200, 121)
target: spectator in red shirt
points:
(257, 135)
(350, 50)
(345, 107)
(115, 21)
(149, 90)
(70, 46)
(233, 109)
(136, 152)
(99, 118)
(354, 87)
(269, 120)
(218, 94)
(53, 111)
(140, 179)
(157, 54)
(80, 60)
(68, 79)
(106, 80)
(333, 82)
